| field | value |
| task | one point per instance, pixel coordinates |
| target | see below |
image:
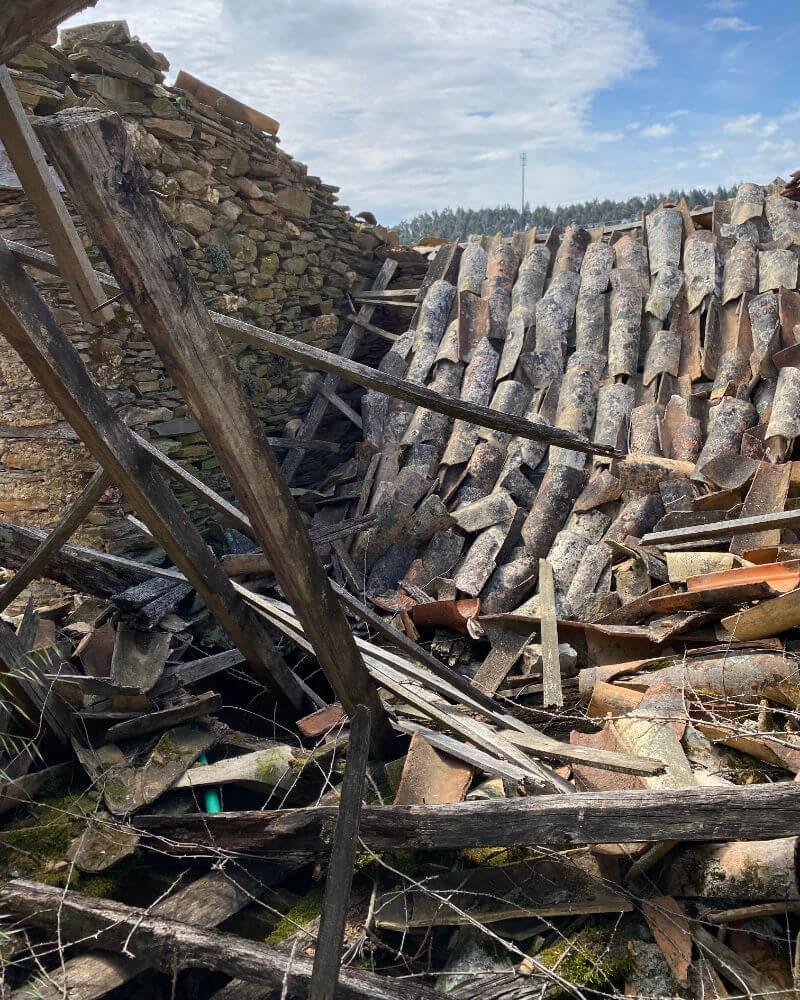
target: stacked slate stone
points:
(664, 342)
(266, 242)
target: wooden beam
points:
(30, 328)
(66, 527)
(28, 160)
(369, 378)
(371, 328)
(722, 529)
(391, 293)
(207, 901)
(343, 407)
(350, 344)
(339, 882)
(386, 303)
(551, 663)
(755, 812)
(171, 944)
(106, 181)
(25, 21)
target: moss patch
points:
(592, 958)
(33, 842)
(300, 915)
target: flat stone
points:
(105, 32)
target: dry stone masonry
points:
(266, 242)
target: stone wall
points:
(266, 242)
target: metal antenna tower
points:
(523, 162)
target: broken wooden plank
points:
(30, 328)
(170, 944)
(372, 328)
(722, 529)
(550, 749)
(274, 767)
(73, 518)
(551, 665)
(336, 899)
(187, 711)
(757, 812)
(88, 146)
(342, 406)
(206, 901)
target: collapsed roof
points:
(674, 342)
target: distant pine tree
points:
(459, 223)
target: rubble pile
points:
(505, 704)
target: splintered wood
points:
(528, 723)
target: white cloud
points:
(678, 113)
(407, 104)
(743, 124)
(658, 131)
(730, 24)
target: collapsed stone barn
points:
(266, 241)
(488, 684)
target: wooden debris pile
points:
(510, 708)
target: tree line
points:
(458, 223)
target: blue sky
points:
(410, 105)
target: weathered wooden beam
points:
(107, 183)
(25, 21)
(207, 902)
(363, 375)
(390, 293)
(371, 327)
(722, 529)
(66, 527)
(342, 406)
(30, 328)
(551, 664)
(755, 812)
(170, 944)
(27, 158)
(350, 344)
(339, 882)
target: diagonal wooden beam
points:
(64, 530)
(30, 328)
(369, 378)
(107, 183)
(24, 21)
(28, 160)
(350, 344)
